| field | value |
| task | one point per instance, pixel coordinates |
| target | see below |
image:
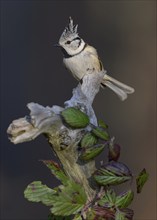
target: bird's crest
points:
(70, 30)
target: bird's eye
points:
(68, 42)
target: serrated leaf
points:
(108, 178)
(75, 118)
(70, 200)
(119, 169)
(90, 215)
(91, 152)
(99, 213)
(102, 124)
(100, 133)
(112, 174)
(124, 214)
(124, 199)
(88, 140)
(120, 215)
(56, 170)
(129, 213)
(108, 200)
(37, 192)
(141, 180)
(77, 217)
(55, 217)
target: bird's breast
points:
(76, 65)
(80, 64)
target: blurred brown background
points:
(124, 33)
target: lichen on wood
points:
(63, 140)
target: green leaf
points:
(102, 124)
(119, 169)
(56, 170)
(70, 200)
(109, 199)
(37, 192)
(113, 173)
(77, 217)
(120, 215)
(124, 199)
(75, 118)
(124, 214)
(99, 213)
(141, 180)
(108, 178)
(91, 152)
(91, 215)
(100, 133)
(129, 213)
(55, 217)
(88, 140)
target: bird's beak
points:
(56, 45)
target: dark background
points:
(31, 70)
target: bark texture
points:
(63, 140)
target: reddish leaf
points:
(114, 152)
(103, 212)
(129, 213)
(119, 169)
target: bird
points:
(79, 57)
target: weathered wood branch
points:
(63, 140)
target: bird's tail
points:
(118, 87)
